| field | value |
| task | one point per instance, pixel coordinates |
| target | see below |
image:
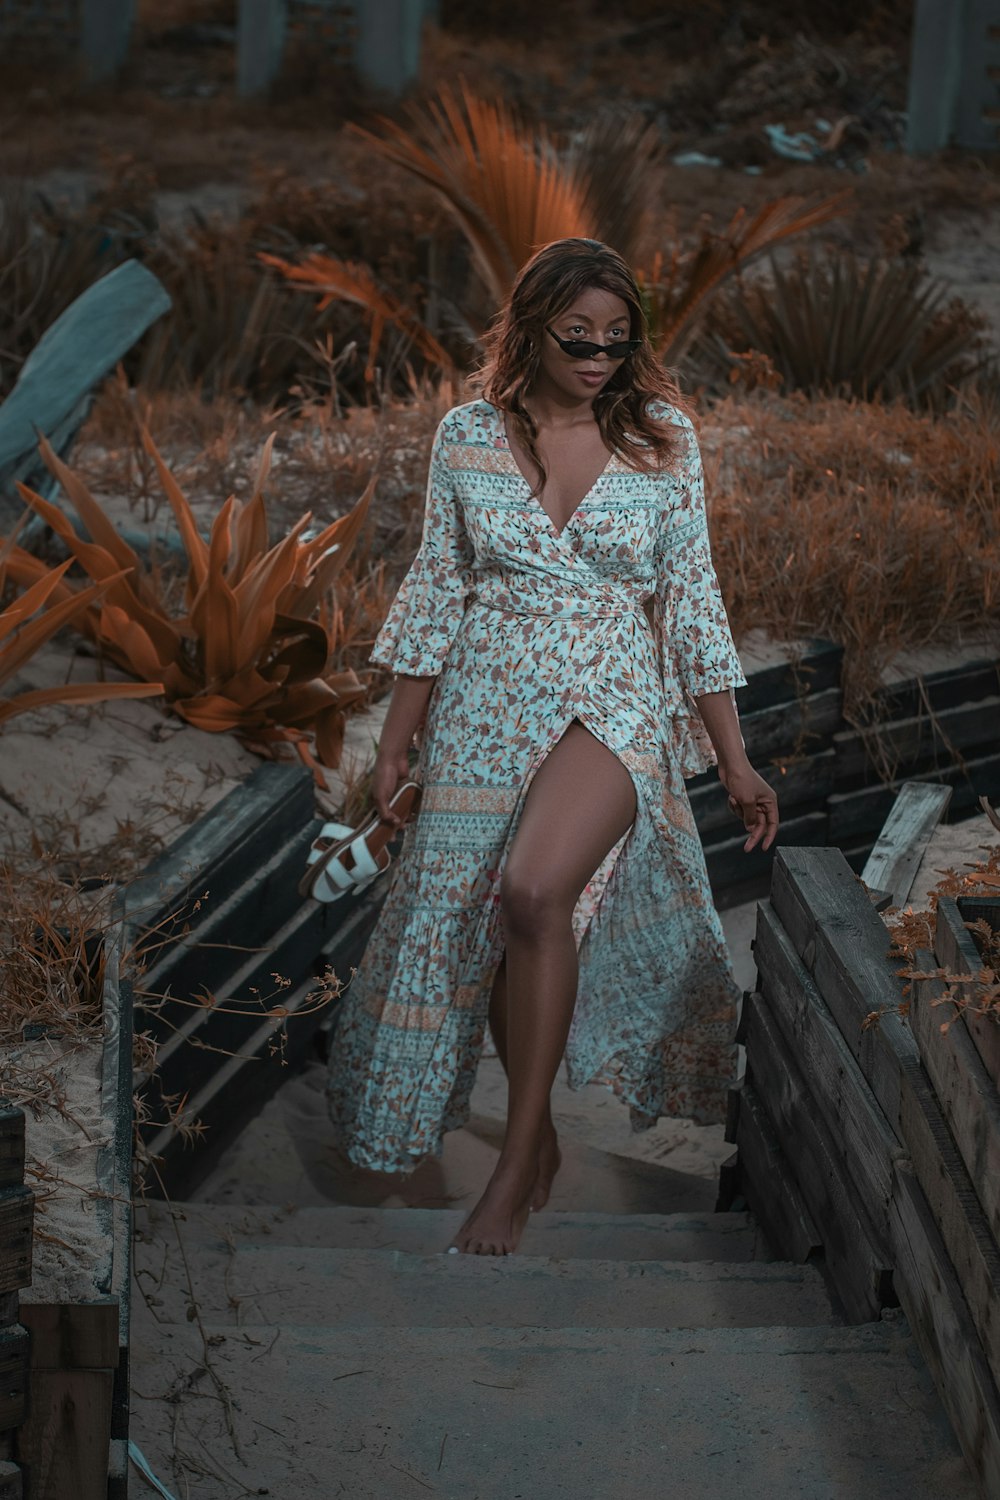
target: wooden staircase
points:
(335, 1350)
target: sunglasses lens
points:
(576, 349)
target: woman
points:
(553, 881)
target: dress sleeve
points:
(424, 617)
(695, 644)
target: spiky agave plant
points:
(251, 649)
(27, 624)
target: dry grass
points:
(867, 525)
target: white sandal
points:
(346, 859)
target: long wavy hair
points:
(546, 287)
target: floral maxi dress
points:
(528, 629)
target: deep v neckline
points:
(557, 532)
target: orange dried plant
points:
(25, 626)
(250, 649)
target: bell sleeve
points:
(427, 611)
(694, 641)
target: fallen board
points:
(893, 863)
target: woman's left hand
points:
(752, 800)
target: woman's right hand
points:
(389, 770)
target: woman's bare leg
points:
(549, 1155)
(580, 803)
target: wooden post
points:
(64, 1443)
(387, 51)
(105, 34)
(260, 44)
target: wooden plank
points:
(965, 1220)
(840, 938)
(856, 1252)
(801, 785)
(968, 1096)
(894, 861)
(14, 1360)
(968, 682)
(72, 1335)
(769, 1185)
(218, 944)
(63, 1445)
(17, 1207)
(956, 952)
(817, 668)
(236, 1090)
(800, 725)
(11, 1146)
(829, 920)
(860, 1133)
(217, 851)
(912, 743)
(939, 1318)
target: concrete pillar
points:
(387, 51)
(105, 34)
(954, 95)
(260, 44)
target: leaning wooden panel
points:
(939, 1318)
(769, 1186)
(857, 1256)
(857, 1128)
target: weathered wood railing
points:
(867, 1137)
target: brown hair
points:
(545, 287)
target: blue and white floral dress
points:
(529, 628)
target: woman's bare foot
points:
(497, 1222)
(549, 1158)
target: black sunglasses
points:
(583, 349)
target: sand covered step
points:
(424, 1231)
(393, 1288)
(810, 1413)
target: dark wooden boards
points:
(768, 1183)
(938, 1315)
(855, 1253)
(888, 1126)
(943, 727)
(64, 1442)
(956, 952)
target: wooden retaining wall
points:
(869, 1138)
(944, 727)
(225, 899)
(16, 1214)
